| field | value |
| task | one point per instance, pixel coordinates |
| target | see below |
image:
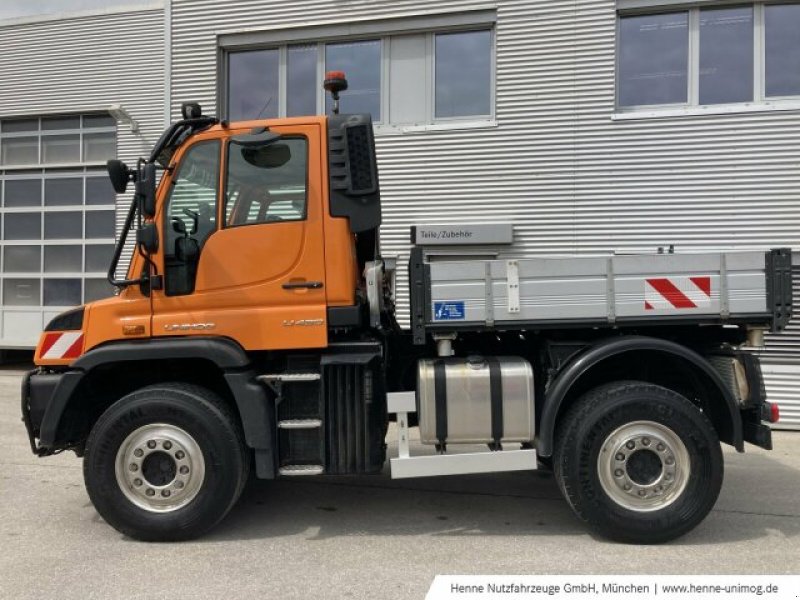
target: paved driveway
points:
(366, 537)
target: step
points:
(289, 377)
(300, 424)
(299, 470)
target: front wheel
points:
(166, 462)
(638, 462)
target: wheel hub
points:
(643, 466)
(160, 467)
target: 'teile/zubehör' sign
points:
(462, 235)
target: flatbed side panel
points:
(598, 289)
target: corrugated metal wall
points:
(85, 64)
(573, 179)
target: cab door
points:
(243, 253)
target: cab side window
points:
(267, 183)
(190, 216)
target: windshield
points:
(163, 151)
(193, 199)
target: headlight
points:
(72, 320)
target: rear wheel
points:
(166, 462)
(638, 462)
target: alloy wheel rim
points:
(160, 467)
(643, 466)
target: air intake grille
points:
(354, 419)
(359, 152)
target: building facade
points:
(59, 76)
(596, 126)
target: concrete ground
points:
(366, 537)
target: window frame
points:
(690, 72)
(430, 51)
(761, 102)
(228, 45)
(224, 188)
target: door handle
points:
(302, 285)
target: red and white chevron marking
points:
(62, 345)
(677, 293)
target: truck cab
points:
(245, 244)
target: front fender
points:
(226, 354)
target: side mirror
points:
(146, 189)
(120, 175)
(147, 238)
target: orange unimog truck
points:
(255, 330)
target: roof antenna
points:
(335, 82)
(261, 112)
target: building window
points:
(726, 55)
(653, 59)
(361, 61)
(708, 56)
(57, 214)
(463, 67)
(782, 49)
(253, 85)
(301, 80)
(402, 79)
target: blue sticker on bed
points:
(448, 311)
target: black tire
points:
(186, 408)
(625, 409)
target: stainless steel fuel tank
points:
(480, 398)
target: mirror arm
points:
(112, 270)
(152, 271)
(139, 197)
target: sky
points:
(14, 9)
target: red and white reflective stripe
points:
(62, 345)
(677, 293)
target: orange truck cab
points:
(254, 328)
(258, 188)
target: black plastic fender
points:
(580, 365)
(255, 408)
(223, 352)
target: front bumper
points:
(44, 398)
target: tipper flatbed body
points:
(255, 329)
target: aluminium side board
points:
(475, 292)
